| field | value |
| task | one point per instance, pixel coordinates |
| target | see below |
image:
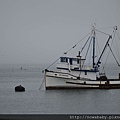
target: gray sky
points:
(39, 31)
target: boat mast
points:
(93, 37)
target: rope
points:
(102, 32)
(109, 51)
(105, 28)
(77, 43)
(116, 49)
(90, 55)
(98, 52)
(42, 84)
(68, 50)
(113, 55)
(86, 55)
(88, 48)
(84, 45)
(53, 63)
(118, 35)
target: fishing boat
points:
(74, 73)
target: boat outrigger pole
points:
(110, 37)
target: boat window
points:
(78, 61)
(74, 62)
(70, 61)
(64, 59)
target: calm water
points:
(37, 101)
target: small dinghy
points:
(19, 88)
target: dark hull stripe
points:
(116, 86)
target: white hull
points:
(57, 80)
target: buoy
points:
(19, 88)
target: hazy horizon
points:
(39, 31)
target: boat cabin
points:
(70, 63)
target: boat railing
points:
(73, 66)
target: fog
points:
(39, 31)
